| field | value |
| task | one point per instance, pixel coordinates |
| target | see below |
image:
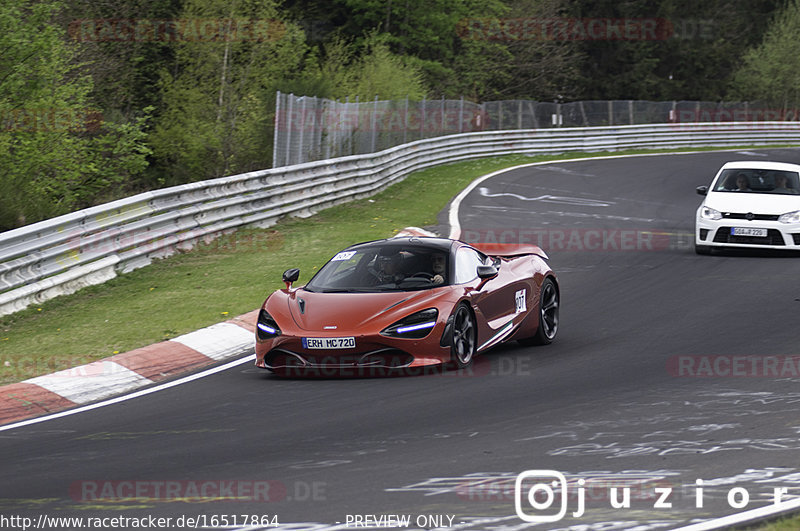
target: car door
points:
(496, 302)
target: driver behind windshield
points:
(438, 263)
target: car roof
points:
(433, 243)
(761, 165)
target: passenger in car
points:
(781, 185)
(389, 266)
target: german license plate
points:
(747, 231)
(328, 343)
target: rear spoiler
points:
(510, 249)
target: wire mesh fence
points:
(311, 128)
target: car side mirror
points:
(290, 276)
(485, 272)
(702, 190)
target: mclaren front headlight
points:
(415, 326)
(266, 327)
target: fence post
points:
(374, 124)
(533, 115)
(288, 159)
(329, 134)
(357, 131)
(461, 115)
(301, 153)
(441, 109)
(349, 134)
(405, 122)
(610, 112)
(277, 130)
(422, 122)
(500, 116)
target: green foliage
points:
(770, 71)
(376, 71)
(429, 32)
(692, 55)
(58, 153)
(218, 96)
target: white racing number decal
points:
(519, 301)
(347, 255)
(327, 343)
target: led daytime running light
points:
(421, 326)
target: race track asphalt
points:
(650, 384)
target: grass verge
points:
(229, 277)
(784, 524)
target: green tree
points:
(535, 65)
(57, 151)
(691, 53)
(771, 70)
(362, 72)
(428, 32)
(218, 95)
(124, 66)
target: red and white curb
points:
(414, 231)
(125, 372)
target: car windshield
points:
(758, 181)
(386, 267)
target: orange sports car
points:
(405, 304)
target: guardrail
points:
(61, 255)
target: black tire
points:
(549, 303)
(463, 337)
(702, 249)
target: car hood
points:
(353, 312)
(755, 203)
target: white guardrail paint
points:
(63, 254)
